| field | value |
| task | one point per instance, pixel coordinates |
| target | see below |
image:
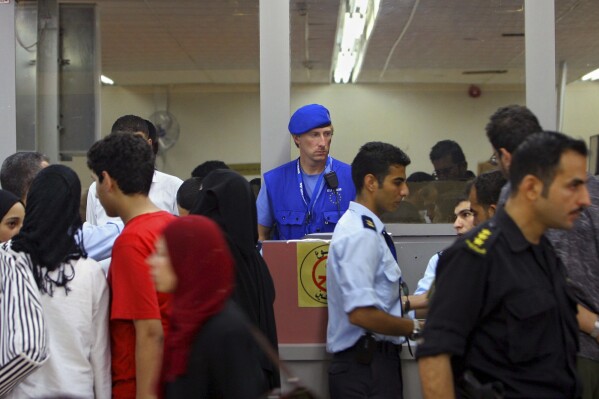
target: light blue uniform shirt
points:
(361, 272)
(424, 284)
(98, 240)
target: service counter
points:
(300, 305)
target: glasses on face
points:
(494, 160)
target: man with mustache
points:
(578, 247)
(503, 319)
(309, 194)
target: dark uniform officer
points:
(503, 312)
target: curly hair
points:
(127, 158)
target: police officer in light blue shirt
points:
(310, 193)
(363, 282)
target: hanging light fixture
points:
(354, 26)
(106, 80)
(593, 75)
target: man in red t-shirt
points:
(122, 165)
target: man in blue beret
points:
(309, 194)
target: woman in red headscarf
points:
(209, 351)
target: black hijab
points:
(7, 201)
(49, 229)
(226, 197)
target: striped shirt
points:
(22, 329)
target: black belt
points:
(386, 347)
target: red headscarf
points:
(203, 264)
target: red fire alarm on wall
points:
(474, 91)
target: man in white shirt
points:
(163, 192)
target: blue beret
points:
(309, 117)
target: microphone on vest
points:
(332, 180)
(333, 183)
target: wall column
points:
(539, 28)
(274, 83)
(47, 128)
(8, 115)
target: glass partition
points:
(430, 76)
(191, 67)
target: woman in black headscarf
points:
(73, 291)
(12, 213)
(226, 198)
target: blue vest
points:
(289, 210)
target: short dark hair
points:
(376, 158)
(127, 158)
(447, 147)
(131, 124)
(256, 185)
(18, 171)
(204, 168)
(539, 155)
(420, 177)
(459, 199)
(188, 192)
(153, 135)
(509, 126)
(488, 187)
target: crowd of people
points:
(162, 290)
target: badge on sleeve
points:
(368, 222)
(481, 243)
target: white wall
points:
(413, 118)
(581, 110)
(223, 122)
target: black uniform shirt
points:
(502, 310)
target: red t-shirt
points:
(134, 296)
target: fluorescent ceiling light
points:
(354, 26)
(106, 80)
(592, 75)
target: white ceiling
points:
(217, 41)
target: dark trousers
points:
(589, 374)
(381, 379)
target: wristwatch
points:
(416, 332)
(595, 331)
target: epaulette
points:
(368, 222)
(481, 242)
